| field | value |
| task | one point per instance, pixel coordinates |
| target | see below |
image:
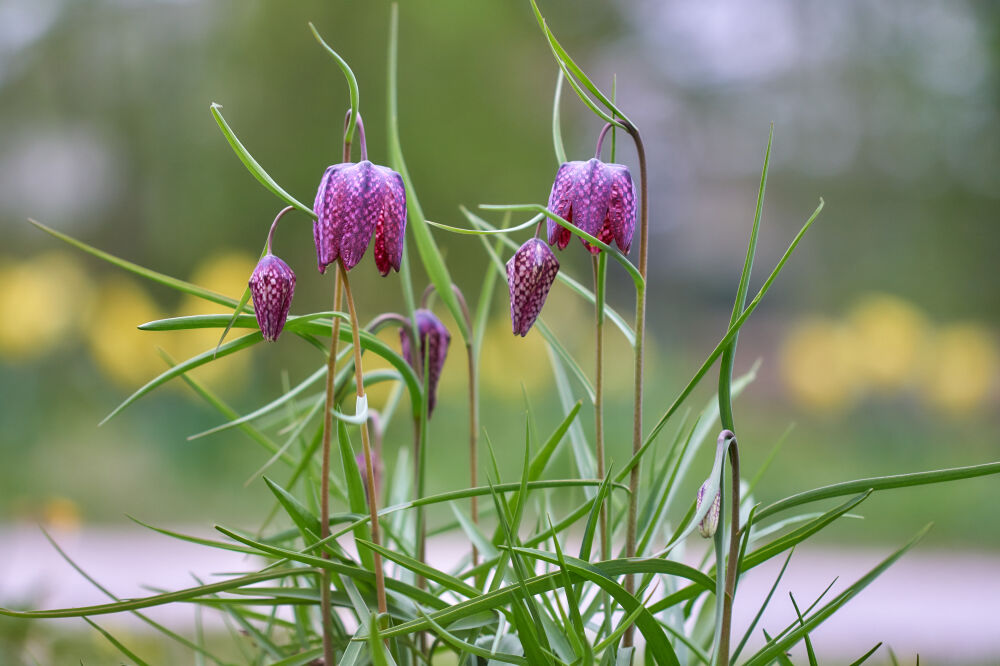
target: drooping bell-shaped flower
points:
(272, 286)
(354, 201)
(433, 339)
(598, 198)
(530, 273)
(710, 523)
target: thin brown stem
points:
(640, 334)
(270, 234)
(734, 554)
(324, 504)
(366, 445)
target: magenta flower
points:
(530, 273)
(272, 286)
(433, 339)
(598, 198)
(354, 201)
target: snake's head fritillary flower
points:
(272, 286)
(354, 201)
(598, 198)
(710, 523)
(530, 273)
(433, 338)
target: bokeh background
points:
(879, 342)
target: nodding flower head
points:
(272, 286)
(355, 200)
(530, 273)
(710, 523)
(598, 198)
(433, 339)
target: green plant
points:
(519, 597)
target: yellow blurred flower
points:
(890, 336)
(226, 273)
(61, 513)
(126, 354)
(43, 300)
(818, 364)
(508, 361)
(962, 364)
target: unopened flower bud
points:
(272, 286)
(530, 273)
(433, 338)
(710, 522)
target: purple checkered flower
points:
(272, 286)
(710, 523)
(530, 273)
(433, 338)
(598, 198)
(354, 201)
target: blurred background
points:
(879, 342)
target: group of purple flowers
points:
(358, 200)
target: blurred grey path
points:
(943, 605)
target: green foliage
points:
(524, 600)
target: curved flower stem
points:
(732, 558)
(600, 141)
(366, 446)
(640, 334)
(270, 234)
(361, 137)
(324, 503)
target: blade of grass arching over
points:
(557, 139)
(561, 276)
(255, 169)
(247, 628)
(232, 347)
(760, 612)
(463, 647)
(734, 329)
(430, 255)
(656, 640)
(155, 600)
(430, 573)
(118, 644)
(197, 649)
(766, 654)
(863, 658)
(729, 354)
(240, 307)
(141, 271)
(356, 573)
(563, 58)
(356, 498)
(352, 84)
(880, 483)
(199, 541)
